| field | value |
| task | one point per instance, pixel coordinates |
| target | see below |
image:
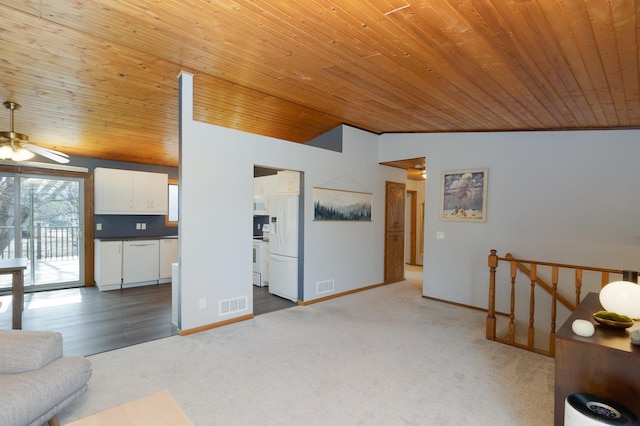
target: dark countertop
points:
(141, 237)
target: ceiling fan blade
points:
(53, 151)
(51, 154)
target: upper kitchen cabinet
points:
(288, 182)
(150, 193)
(263, 188)
(265, 185)
(130, 192)
(113, 191)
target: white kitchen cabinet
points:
(120, 191)
(288, 182)
(133, 263)
(265, 185)
(168, 256)
(113, 191)
(140, 262)
(263, 188)
(150, 193)
(108, 264)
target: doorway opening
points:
(414, 209)
(277, 239)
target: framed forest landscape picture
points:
(335, 204)
(463, 196)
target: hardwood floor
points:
(92, 321)
(265, 302)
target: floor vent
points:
(231, 306)
(325, 286)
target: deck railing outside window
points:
(48, 242)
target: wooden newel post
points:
(491, 311)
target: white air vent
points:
(325, 286)
(231, 306)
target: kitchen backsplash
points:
(123, 226)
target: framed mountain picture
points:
(336, 204)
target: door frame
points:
(88, 207)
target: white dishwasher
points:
(140, 262)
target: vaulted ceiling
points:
(98, 78)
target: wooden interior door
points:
(412, 205)
(394, 232)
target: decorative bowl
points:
(614, 324)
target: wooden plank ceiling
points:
(97, 78)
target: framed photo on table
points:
(463, 196)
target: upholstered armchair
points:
(36, 380)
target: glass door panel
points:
(8, 246)
(50, 230)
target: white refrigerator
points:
(283, 246)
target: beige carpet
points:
(385, 356)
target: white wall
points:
(216, 180)
(568, 197)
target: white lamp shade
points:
(22, 154)
(5, 152)
(621, 297)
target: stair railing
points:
(530, 269)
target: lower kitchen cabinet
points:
(168, 256)
(133, 263)
(108, 263)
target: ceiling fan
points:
(15, 146)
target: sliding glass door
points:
(41, 219)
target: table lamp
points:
(622, 297)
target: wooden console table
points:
(605, 364)
(15, 267)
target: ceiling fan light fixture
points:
(5, 152)
(16, 147)
(11, 152)
(22, 154)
